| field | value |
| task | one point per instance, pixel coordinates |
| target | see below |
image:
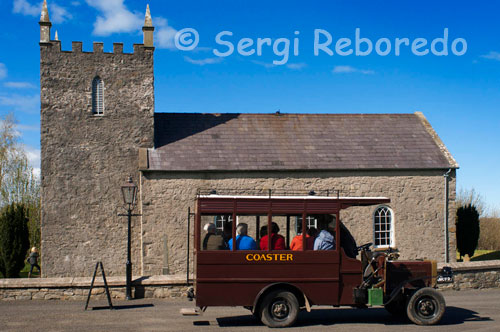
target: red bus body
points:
(238, 277)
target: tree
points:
(18, 183)
(467, 197)
(467, 226)
(14, 239)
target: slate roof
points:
(196, 142)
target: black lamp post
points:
(129, 191)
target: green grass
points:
(24, 272)
(482, 255)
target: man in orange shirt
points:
(310, 236)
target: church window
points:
(383, 227)
(97, 96)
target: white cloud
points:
(492, 56)
(202, 62)
(264, 64)
(21, 127)
(350, 69)
(19, 85)
(3, 71)
(30, 104)
(25, 8)
(114, 17)
(296, 66)
(164, 34)
(36, 172)
(33, 156)
(57, 13)
(293, 66)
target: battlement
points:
(98, 48)
(46, 41)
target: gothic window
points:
(97, 96)
(383, 227)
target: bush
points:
(467, 230)
(490, 234)
(14, 239)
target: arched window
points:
(97, 96)
(383, 227)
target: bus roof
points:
(352, 198)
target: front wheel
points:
(279, 309)
(426, 307)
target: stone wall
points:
(85, 158)
(485, 274)
(472, 275)
(78, 288)
(417, 200)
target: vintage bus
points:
(260, 271)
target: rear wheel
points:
(426, 306)
(279, 308)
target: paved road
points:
(466, 311)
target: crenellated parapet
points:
(98, 48)
(55, 45)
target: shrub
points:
(467, 230)
(14, 239)
(490, 234)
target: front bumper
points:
(446, 276)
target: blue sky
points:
(459, 95)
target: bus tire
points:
(279, 308)
(426, 307)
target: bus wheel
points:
(426, 307)
(279, 309)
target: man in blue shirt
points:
(243, 241)
(326, 238)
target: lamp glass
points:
(129, 191)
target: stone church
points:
(99, 126)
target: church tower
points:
(97, 113)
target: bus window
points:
(282, 232)
(248, 231)
(215, 232)
(325, 237)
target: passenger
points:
(263, 231)
(297, 240)
(326, 238)
(243, 241)
(227, 232)
(313, 232)
(277, 241)
(212, 241)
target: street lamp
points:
(129, 191)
